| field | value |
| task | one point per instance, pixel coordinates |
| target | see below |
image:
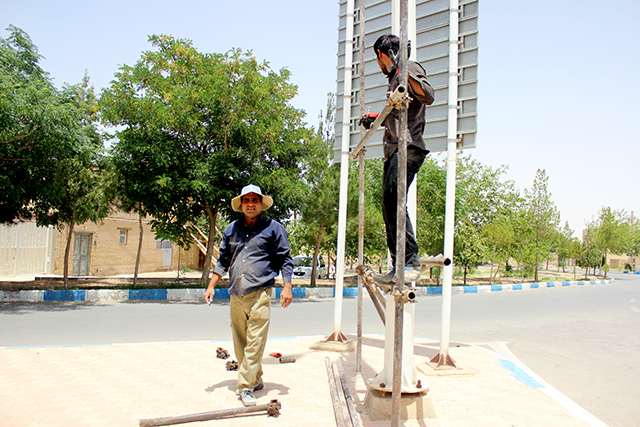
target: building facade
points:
(104, 249)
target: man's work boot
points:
(410, 275)
(386, 279)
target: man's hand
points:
(209, 294)
(368, 119)
(286, 296)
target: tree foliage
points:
(431, 181)
(51, 163)
(499, 236)
(610, 233)
(200, 126)
(469, 247)
(39, 127)
(543, 216)
(319, 207)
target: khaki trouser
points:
(250, 326)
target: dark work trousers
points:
(415, 158)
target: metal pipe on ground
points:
(343, 404)
(272, 409)
(351, 406)
(340, 410)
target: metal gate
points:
(26, 249)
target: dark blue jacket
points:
(254, 256)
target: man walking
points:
(387, 48)
(254, 250)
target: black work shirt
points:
(254, 256)
(415, 113)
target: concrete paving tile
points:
(117, 385)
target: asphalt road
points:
(584, 341)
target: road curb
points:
(95, 295)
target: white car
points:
(302, 266)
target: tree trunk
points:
(68, 248)
(213, 216)
(493, 258)
(495, 275)
(328, 266)
(521, 264)
(137, 269)
(465, 275)
(535, 270)
(332, 262)
(316, 252)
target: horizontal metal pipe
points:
(435, 261)
(393, 101)
(271, 408)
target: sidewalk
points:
(117, 385)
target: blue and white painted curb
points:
(94, 295)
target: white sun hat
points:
(237, 201)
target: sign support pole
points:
(344, 178)
(443, 357)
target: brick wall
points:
(114, 245)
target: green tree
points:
(39, 126)
(129, 199)
(543, 216)
(574, 252)
(590, 255)
(610, 233)
(564, 240)
(432, 187)
(319, 213)
(83, 182)
(375, 237)
(203, 125)
(500, 237)
(469, 247)
(84, 194)
(320, 205)
(524, 242)
(633, 242)
(481, 194)
(51, 164)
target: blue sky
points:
(559, 81)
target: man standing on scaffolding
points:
(387, 48)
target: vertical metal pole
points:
(450, 204)
(360, 256)
(412, 194)
(401, 226)
(344, 171)
(361, 194)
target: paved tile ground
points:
(117, 385)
